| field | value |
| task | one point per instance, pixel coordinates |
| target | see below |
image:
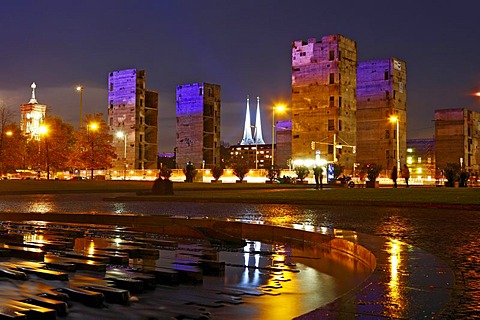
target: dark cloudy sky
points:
(245, 46)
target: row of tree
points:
(61, 147)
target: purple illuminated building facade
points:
(198, 125)
(132, 120)
(381, 94)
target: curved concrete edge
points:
(406, 282)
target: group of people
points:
(405, 172)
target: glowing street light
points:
(279, 108)
(397, 135)
(80, 90)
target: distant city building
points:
(421, 158)
(457, 138)
(32, 115)
(198, 125)
(283, 147)
(133, 120)
(381, 94)
(323, 99)
(251, 154)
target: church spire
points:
(33, 100)
(258, 138)
(247, 131)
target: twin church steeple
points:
(257, 129)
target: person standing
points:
(406, 174)
(318, 173)
(394, 176)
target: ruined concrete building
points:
(381, 102)
(198, 125)
(457, 138)
(323, 99)
(133, 120)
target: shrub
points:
(273, 173)
(165, 172)
(372, 171)
(217, 172)
(240, 169)
(452, 173)
(302, 172)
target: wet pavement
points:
(449, 234)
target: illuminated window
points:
(419, 160)
(409, 150)
(429, 160)
(409, 160)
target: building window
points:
(339, 125)
(400, 87)
(201, 91)
(387, 134)
(339, 102)
(331, 78)
(141, 102)
(330, 149)
(296, 136)
(110, 122)
(387, 154)
(331, 55)
(303, 54)
(332, 102)
(386, 76)
(331, 125)
(419, 160)
(429, 160)
(111, 86)
(387, 94)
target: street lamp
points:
(120, 135)
(92, 127)
(279, 108)
(397, 135)
(80, 90)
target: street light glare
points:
(120, 134)
(393, 118)
(477, 94)
(43, 129)
(79, 88)
(93, 126)
(280, 108)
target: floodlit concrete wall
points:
(381, 93)
(283, 151)
(198, 125)
(127, 112)
(457, 138)
(323, 98)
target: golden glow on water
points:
(91, 248)
(396, 297)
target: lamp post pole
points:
(273, 138)
(80, 90)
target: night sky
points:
(245, 46)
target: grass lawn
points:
(255, 192)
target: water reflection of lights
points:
(40, 207)
(91, 247)
(394, 248)
(251, 277)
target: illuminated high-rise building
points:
(133, 120)
(32, 116)
(198, 125)
(381, 95)
(323, 100)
